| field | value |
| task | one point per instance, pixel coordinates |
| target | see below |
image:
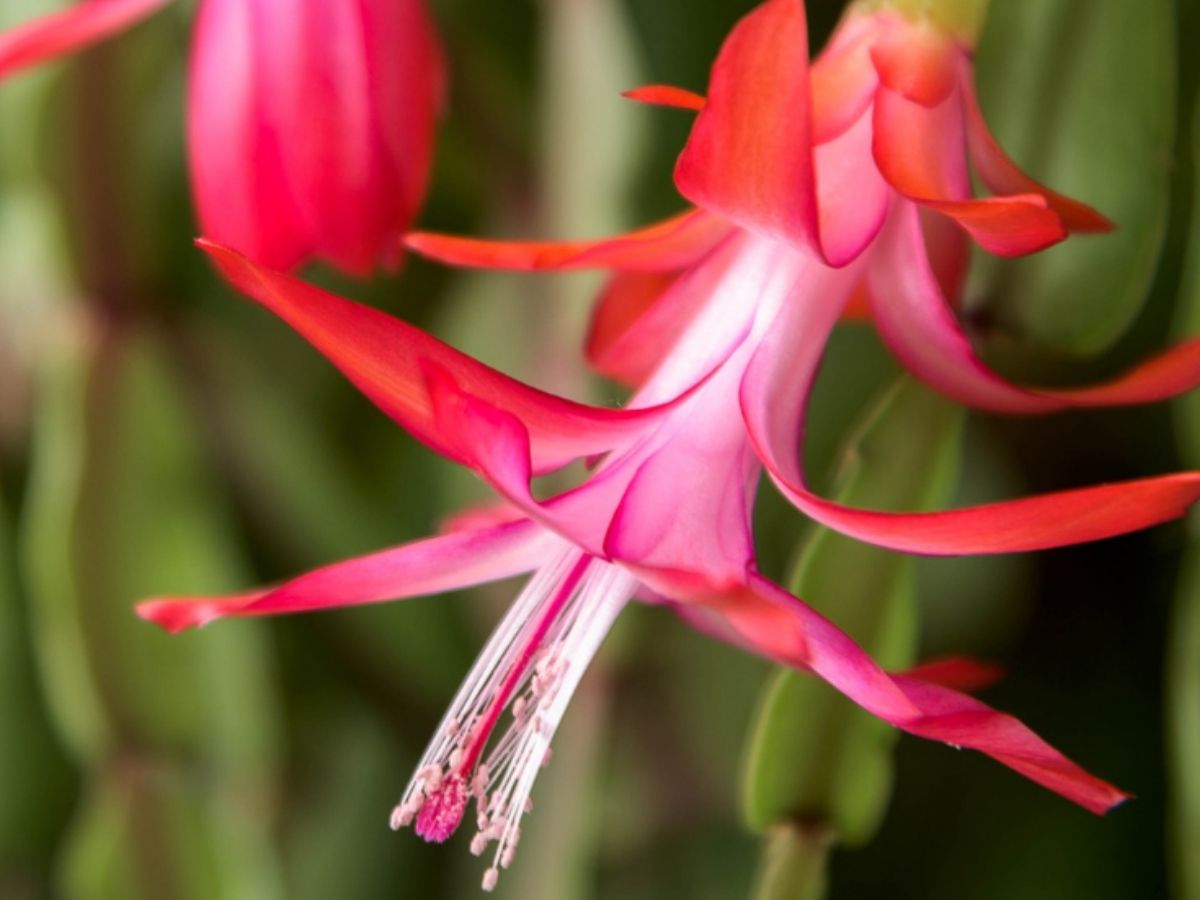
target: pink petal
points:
(431, 566)
(496, 445)
(853, 198)
(957, 672)
(666, 95)
(843, 79)
(672, 244)
(1003, 176)
(407, 73)
(916, 323)
(240, 167)
(688, 505)
(774, 395)
(765, 617)
(749, 156)
(310, 127)
(681, 486)
(917, 60)
(919, 150)
(59, 33)
(388, 360)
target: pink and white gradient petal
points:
(448, 562)
(915, 321)
(773, 398)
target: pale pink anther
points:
(442, 811)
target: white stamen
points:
(532, 663)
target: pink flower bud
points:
(310, 126)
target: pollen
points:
(442, 810)
(530, 668)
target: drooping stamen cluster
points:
(531, 666)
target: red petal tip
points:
(666, 95)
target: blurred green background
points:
(159, 434)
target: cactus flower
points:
(720, 317)
(664, 515)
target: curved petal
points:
(853, 198)
(774, 394)
(636, 318)
(626, 512)
(688, 505)
(74, 28)
(749, 155)
(919, 150)
(957, 672)
(843, 79)
(665, 246)
(766, 618)
(917, 60)
(495, 444)
(1003, 176)
(916, 323)
(388, 360)
(432, 566)
(666, 95)
(1006, 226)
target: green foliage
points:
(1183, 643)
(1093, 129)
(177, 736)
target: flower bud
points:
(310, 126)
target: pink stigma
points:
(442, 810)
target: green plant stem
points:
(795, 864)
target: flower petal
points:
(666, 95)
(388, 360)
(1003, 176)
(957, 672)
(240, 83)
(773, 398)
(636, 318)
(853, 198)
(622, 510)
(917, 60)
(749, 155)
(779, 626)
(916, 323)
(432, 566)
(665, 246)
(74, 28)
(688, 505)
(843, 79)
(919, 151)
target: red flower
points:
(310, 125)
(721, 316)
(664, 515)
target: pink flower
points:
(310, 125)
(720, 316)
(664, 516)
